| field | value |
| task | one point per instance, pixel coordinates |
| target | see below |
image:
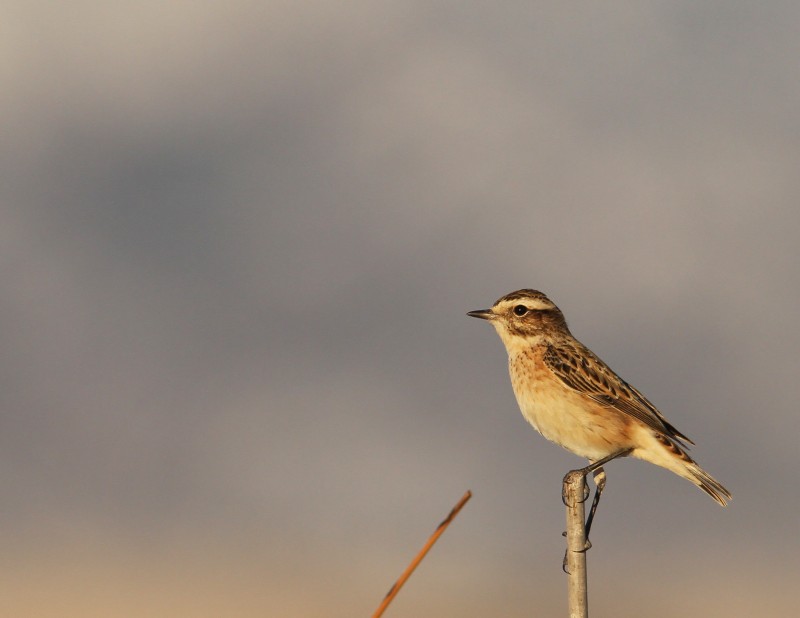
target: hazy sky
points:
(238, 242)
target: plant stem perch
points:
(575, 494)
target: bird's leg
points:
(595, 465)
(596, 468)
(599, 486)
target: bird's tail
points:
(708, 484)
(666, 453)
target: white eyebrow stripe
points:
(535, 304)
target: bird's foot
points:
(569, 478)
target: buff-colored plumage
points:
(575, 400)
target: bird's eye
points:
(520, 310)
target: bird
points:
(575, 400)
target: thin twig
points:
(418, 558)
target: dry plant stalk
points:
(418, 558)
(574, 497)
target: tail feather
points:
(709, 484)
(667, 453)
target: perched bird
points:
(574, 399)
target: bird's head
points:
(524, 317)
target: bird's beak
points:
(483, 314)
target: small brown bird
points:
(574, 399)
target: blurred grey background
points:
(238, 241)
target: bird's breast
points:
(561, 414)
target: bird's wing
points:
(577, 367)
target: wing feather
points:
(577, 367)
